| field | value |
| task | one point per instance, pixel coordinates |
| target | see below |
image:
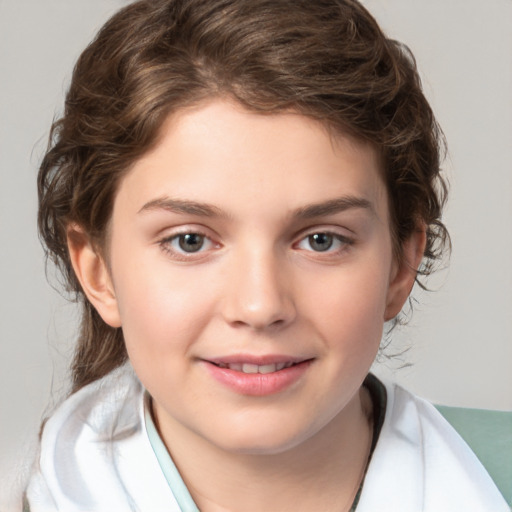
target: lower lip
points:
(258, 384)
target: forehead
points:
(222, 154)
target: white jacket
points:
(96, 456)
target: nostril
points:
(259, 325)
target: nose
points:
(260, 291)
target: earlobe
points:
(405, 272)
(93, 275)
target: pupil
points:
(320, 241)
(191, 242)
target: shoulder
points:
(420, 463)
(100, 412)
(94, 452)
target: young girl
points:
(241, 193)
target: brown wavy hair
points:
(326, 59)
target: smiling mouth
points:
(255, 368)
(258, 376)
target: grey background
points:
(460, 336)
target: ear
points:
(404, 273)
(93, 274)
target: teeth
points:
(250, 368)
(254, 368)
(267, 368)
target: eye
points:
(320, 241)
(191, 242)
(323, 242)
(181, 245)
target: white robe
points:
(96, 456)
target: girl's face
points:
(251, 272)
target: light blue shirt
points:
(169, 469)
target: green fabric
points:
(489, 434)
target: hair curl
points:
(326, 59)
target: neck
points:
(322, 473)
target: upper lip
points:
(259, 360)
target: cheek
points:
(162, 311)
(349, 308)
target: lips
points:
(255, 368)
(257, 376)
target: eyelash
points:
(168, 244)
(180, 254)
(340, 242)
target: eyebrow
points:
(333, 206)
(183, 206)
(322, 209)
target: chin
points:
(270, 439)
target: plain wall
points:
(460, 337)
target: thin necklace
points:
(367, 406)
